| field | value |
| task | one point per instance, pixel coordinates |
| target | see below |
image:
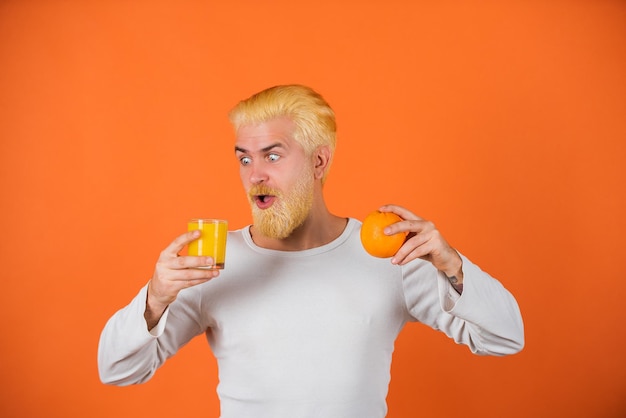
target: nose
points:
(257, 174)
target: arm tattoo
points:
(455, 284)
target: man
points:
(302, 320)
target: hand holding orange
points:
(373, 237)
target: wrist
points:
(154, 309)
(454, 273)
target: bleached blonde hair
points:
(312, 115)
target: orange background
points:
(501, 121)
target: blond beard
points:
(288, 212)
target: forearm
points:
(493, 321)
(127, 352)
(130, 353)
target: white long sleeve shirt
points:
(301, 334)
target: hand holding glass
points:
(212, 241)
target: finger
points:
(402, 212)
(418, 246)
(179, 243)
(191, 283)
(413, 227)
(187, 261)
(166, 285)
(192, 277)
(415, 254)
(179, 279)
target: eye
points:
(273, 157)
(245, 160)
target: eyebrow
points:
(266, 149)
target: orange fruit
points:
(373, 238)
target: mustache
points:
(261, 189)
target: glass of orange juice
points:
(212, 241)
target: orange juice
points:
(212, 241)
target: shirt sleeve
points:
(486, 317)
(128, 353)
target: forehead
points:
(256, 136)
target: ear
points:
(322, 156)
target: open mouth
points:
(264, 201)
